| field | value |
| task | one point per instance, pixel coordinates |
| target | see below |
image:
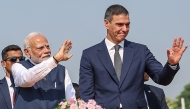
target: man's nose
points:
(47, 49)
(125, 28)
(17, 60)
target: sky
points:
(153, 23)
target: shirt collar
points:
(32, 62)
(8, 81)
(110, 45)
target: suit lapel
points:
(127, 59)
(106, 61)
(5, 91)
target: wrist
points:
(171, 64)
(56, 61)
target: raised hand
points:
(62, 54)
(176, 52)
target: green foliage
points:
(59, 106)
(170, 103)
(184, 94)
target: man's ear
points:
(106, 23)
(27, 52)
(3, 64)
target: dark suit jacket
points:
(99, 81)
(5, 100)
(155, 97)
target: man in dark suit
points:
(40, 81)
(111, 72)
(10, 55)
(155, 96)
(76, 87)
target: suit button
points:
(120, 92)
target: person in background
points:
(155, 96)
(111, 72)
(76, 87)
(40, 80)
(10, 55)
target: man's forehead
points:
(120, 17)
(14, 53)
(40, 45)
(38, 41)
(38, 38)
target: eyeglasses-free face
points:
(14, 58)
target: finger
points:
(62, 46)
(67, 50)
(174, 43)
(168, 52)
(68, 44)
(69, 56)
(178, 42)
(181, 43)
(65, 43)
(184, 48)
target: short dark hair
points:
(115, 10)
(7, 49)
(76, 87)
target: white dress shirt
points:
(11, 90)
(111, 50)
(110, 46)
(28, 77)
(146, 99)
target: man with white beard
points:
(41, 83)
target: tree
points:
(170, 103)
(184, 94)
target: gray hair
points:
(26, 40)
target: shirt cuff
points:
(173, 67)
(51, 63)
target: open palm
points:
(176, 52)
(62, 54)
